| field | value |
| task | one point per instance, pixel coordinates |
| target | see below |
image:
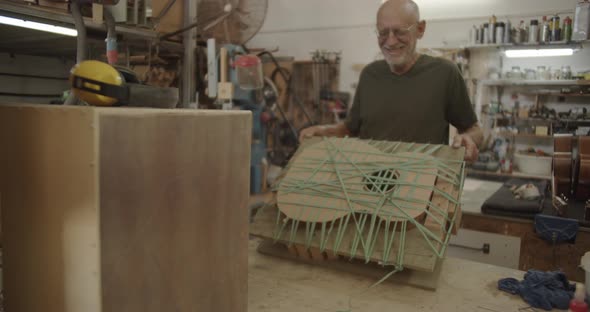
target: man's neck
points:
(404, 68)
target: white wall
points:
(289, 15)
(299, 27)
(32, 65)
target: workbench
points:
(534, 252)
(282, 285)
(501, 232)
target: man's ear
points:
(421, 28)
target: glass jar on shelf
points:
(515, 73)
(566, 72)
(543, 73)
(530, 74)
(556, 75)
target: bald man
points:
(407, 96)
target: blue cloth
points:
(544, 290)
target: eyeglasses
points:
(400, 33)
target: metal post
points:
(188, 66)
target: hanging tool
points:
(289, 90)
(225, 89)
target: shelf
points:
(525, 135)
(573, 120)
(513, 82)
(514, 174)
(538, 121)
(526, 45)
(465, 45)
(41, 14)
(553, 121)
(556, 94)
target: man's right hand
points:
(336, 130)
(311, 132)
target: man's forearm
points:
(476, 134)
(337, 130)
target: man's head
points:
(398, 29)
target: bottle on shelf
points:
(534, 31)
(525, 32)
(555, 30)
(486, 33)
(506, 161)
(499, 33)
(474, 35)
(481, 37)
(492, 26)
(545, 30)
(567, 29)
(508, 32)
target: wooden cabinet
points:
(539, 254)
(535, 253)
(118, 209)
(490, 248)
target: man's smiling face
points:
(398, 30)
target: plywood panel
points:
(418, 255)
(48, 188)
(343, 170)
(174, 216)
(116, 209)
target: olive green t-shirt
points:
(417, 106)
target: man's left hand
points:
(471, 150)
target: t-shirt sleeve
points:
(459, 110)
(353, 118)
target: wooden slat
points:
(425, 280)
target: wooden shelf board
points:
(525, 135)
(526, 45)
(558, 94)
(465, 45)
(522, 82)
(514, 174)
(56, 17)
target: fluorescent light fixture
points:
(539, 52)
(38, 26)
